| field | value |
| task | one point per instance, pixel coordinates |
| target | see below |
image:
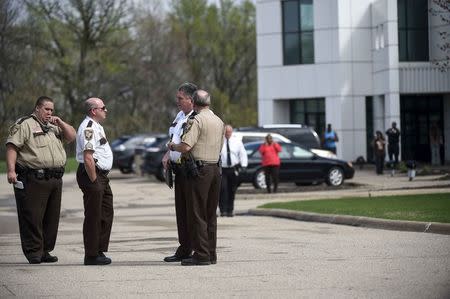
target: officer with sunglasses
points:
(95, 160)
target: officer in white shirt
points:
(95, 157)
(234, 158)
(176, 130)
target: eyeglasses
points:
(101, 108)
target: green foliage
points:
(419, 207)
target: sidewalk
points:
(258, 257)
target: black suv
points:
(301, 134)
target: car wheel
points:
(335, 176)
(259, 181)
(160, 174)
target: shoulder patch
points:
(88, 133)
(89, 124)
(13, 129)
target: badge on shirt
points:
(88, 134)
(89, 146)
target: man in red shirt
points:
(271, 162)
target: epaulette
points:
(89, 124)
(192, 116)
(22, 119)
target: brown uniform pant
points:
(181, 198)
(204, 192)
(98, 211)
(38, 208)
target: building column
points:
(446, 126)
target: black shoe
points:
(175, 258)
(213, 258)
(35, 260)
(97, 260)
(194, 262)
(230, 214)
(47, 258)
(100, 253)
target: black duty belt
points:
(47, 173)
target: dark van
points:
(301, 134)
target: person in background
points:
(185, 104)
(35, 159)
(95, 160)
(329, 140)
(234, 158)
(435, 144)
(393, 135)
(379, 148)
(271, 162)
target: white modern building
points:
(357, 64)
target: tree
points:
(441, 8)
(76, 37)
(219, 43)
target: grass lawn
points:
(71, 165)
(420, 207)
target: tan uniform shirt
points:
(37, 149)
(204, 134)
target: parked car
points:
(123, 154)
(119, 140)
(298, 165)
(152, 158)
(252, 136)
(301, 134)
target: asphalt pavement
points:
(258, 256)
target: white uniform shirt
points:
(176, 131)
(238, 154)
(94, 138)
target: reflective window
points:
(413, 30)
(298, 35)
(310, 112)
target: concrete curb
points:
(413, 226)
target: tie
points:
(228, 154)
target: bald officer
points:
(202, 140)
(95, 157)
(35, 159)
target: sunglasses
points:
(101, 108)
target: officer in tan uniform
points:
(201, 145)
(35, 159)
(95, 157)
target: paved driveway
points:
(258, 257)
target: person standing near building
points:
(435, 144)
(330, 138)
(393, 135)
(200, 147)
(186, 105)
(95, 160)
(379, 149)
(234, 158)
(35, 159)
(271, 162)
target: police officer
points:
(202, 141)
(95, 157)
(185, 104)
(35, 159)
(234, 158)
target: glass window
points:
(413, 30)
(310, 112)
(298, 36)
(284, 154)
(298, 152)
